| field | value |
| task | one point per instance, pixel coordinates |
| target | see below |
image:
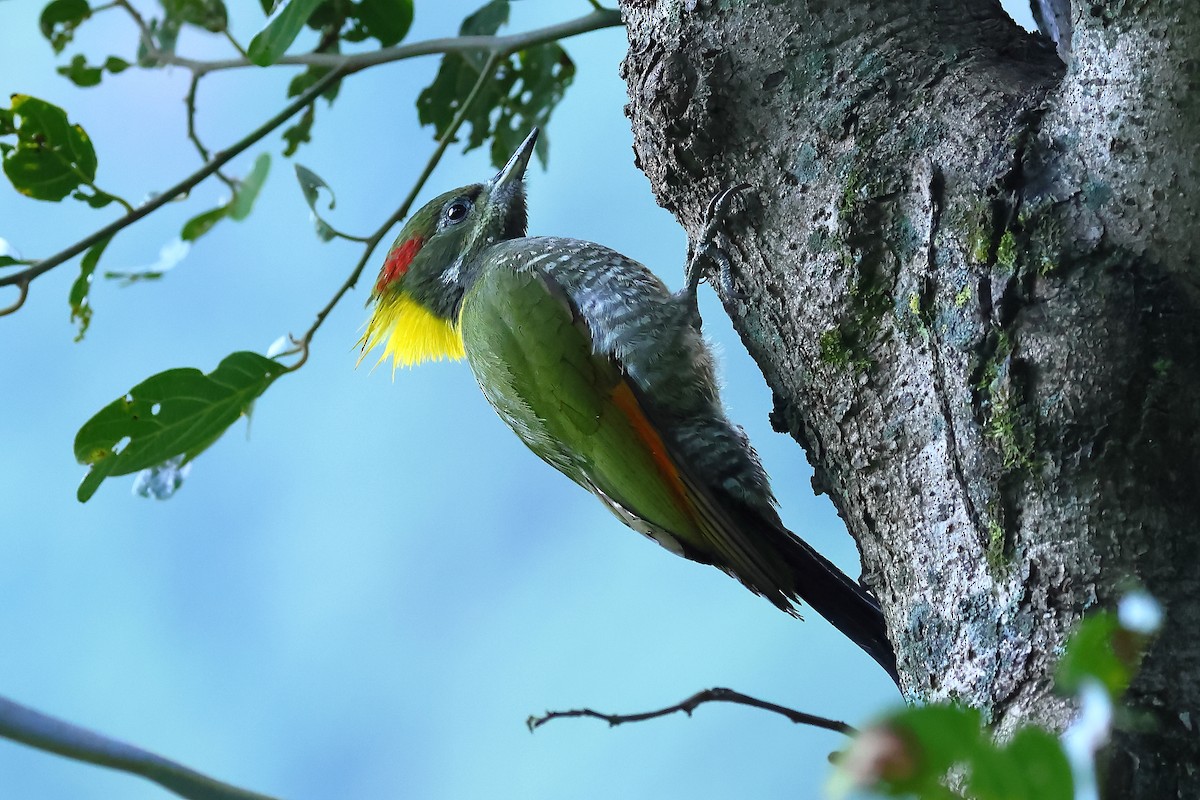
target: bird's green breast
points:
(533, 356)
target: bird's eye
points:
(457, 211)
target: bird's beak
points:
(514, 170)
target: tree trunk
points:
(969, 275)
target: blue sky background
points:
(366, 591)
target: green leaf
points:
(128, 278)
(163, 34)
(486, 20)
(1031, 766)
(207, 14)
(59, 20)
(1090, 654)
(946, 734)
(544, 73)
(522, 94)
(52, 157)
(269, 44)
(115, 65)
(81, 307)
(180, 412)
(236, 209)
(247, 192)
(79, 73)
(95, 198)
(300, 83)
(201, 224)
(329, 17)
(311, 185)
(300, 133)
(385, 20)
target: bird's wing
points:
(534, 357)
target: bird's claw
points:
(714, 246)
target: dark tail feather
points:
(842, 601)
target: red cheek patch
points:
(397, 262)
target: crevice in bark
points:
(972, 285)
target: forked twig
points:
(715, 695)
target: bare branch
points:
(35, 729)
(716, 695)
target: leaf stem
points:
(15, 307)
(236, 46)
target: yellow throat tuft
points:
(409, 333)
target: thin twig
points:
(27, 726)
(689, 705)
(190, 101)
(234, 42)
(400, 213)
(15, 307)
(354, 62)
(183, 187)
(143, 29)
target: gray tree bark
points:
(969, 274)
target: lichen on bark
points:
(969, 274)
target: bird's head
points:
(436, 258)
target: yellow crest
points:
(409, 332)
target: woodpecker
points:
(604, 374)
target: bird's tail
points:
(839, 599)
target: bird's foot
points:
(714, 246)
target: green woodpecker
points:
(604, 374)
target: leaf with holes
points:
(52, 157)
(60, 19)
(180, 412)
(207, 14)
(522, 94)
(82, 74)
(542, 76)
